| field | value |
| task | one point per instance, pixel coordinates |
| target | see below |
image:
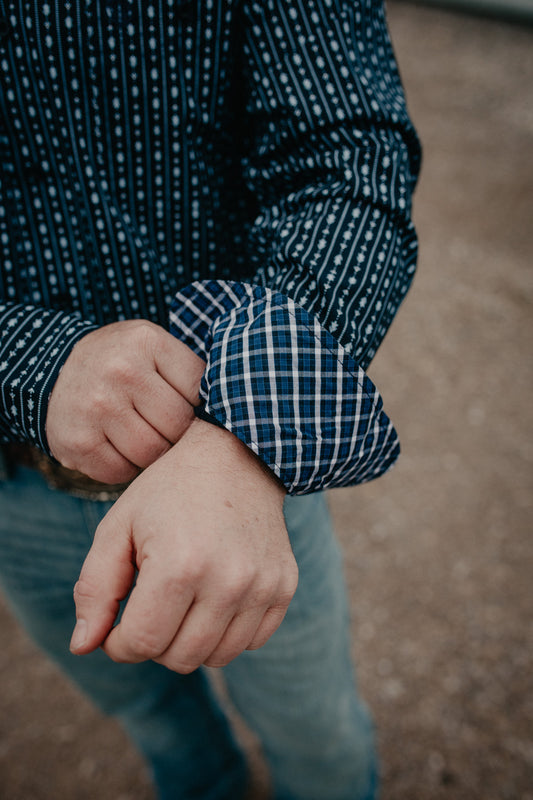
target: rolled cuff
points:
(35, 343)
(284, 386)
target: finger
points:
(165, 409)
(105, 579)
(135, 439)
(239, 634)
(200, 633)
(101, 462)
(180, 367)
(152, 616)
(269, 625)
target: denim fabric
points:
(297, 693)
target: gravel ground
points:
(438, 553)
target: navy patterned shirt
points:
(249, 162)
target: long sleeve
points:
(258, 154)
(34, 344)
(283, 385)
(331, 162)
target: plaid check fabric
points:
(284, 386)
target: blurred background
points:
(438, 552)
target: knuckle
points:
(100, 463)
(262, 594)
(101, 402)
(255, 645)
(144, 329)
(121, 371)
(235, 590)
(68, 460)
(82, 445)
(290, 583)
(183, 668)
(183, 665)
(242, 577)
(84, 591)
(145, 334)
(118, 658)
(195, 647)
(218, 661)
(145, 645)
(192, 570)
(192, 652)
(283, 599)
(175, 587)
(232, 594)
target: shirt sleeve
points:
(34, 345)
(331, 160)
(283, 385)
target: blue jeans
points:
(297, 693)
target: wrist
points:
(211, 443)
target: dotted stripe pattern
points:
(145, 145)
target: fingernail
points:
(79, 635)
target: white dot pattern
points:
(145, 145)
(105, 209)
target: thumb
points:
(105, 579)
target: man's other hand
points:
(124, 396)
(204, 527)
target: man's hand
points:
(123, 397)
(204, 527)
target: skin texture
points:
(123, 398)
(204, 527)
(199, 534)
